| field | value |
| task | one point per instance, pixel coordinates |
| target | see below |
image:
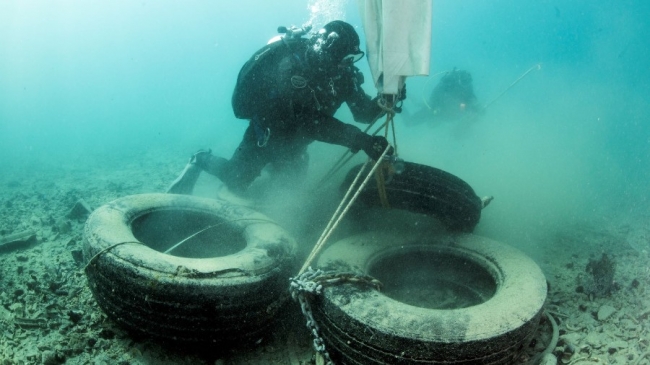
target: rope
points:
(537, 66)
(342, 203)
(392, 127)
(335, 220)
(551, 345)
(212, 226)
(308, 282)
(348, 155)
(379, 174)
(556, 335)
(343, 160)
(336, 167)
(94, 258)
(105, 250)
(381, 186)
(190, 236)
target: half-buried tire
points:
(427, 190)
(446, 300)
(223, 285)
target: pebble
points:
(80, 210)
(605, 312)
(594, 340)
(572, 338)
(64, 226)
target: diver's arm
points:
(364, 108)
(328, 129)
(331, 130)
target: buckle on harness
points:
(263, 139)
(262, 134)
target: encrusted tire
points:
(403, 324)
(428, 190)
(224, 284)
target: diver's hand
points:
(201, 157)
(375, 146)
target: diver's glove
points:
(374, 146)
(184, 183)
(209, 163)
(201, 158)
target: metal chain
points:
(310, 284)
(301, 286)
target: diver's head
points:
(337, 43)
(464, 78)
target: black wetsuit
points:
(295, 108)
(454, 97)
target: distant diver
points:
(452, 99)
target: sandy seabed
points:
(48, 314)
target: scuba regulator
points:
(294, 32)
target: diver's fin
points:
(486, 200)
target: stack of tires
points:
(361, 325)
(448, 297)
(223, 284)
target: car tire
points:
(361, 325)
(225, 284)
(428, 190)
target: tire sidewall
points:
(111, 224)
(377, 321)
(226, 299)
(427, 190)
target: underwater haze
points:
(107, 82)
(105, 99)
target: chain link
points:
(302, 286)
(310, 284)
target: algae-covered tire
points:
(224, 284)
(427, 190)
(488, 300)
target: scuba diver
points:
(452, 99)
(289, 91)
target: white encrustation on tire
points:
(223, 285)
(360, 325)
